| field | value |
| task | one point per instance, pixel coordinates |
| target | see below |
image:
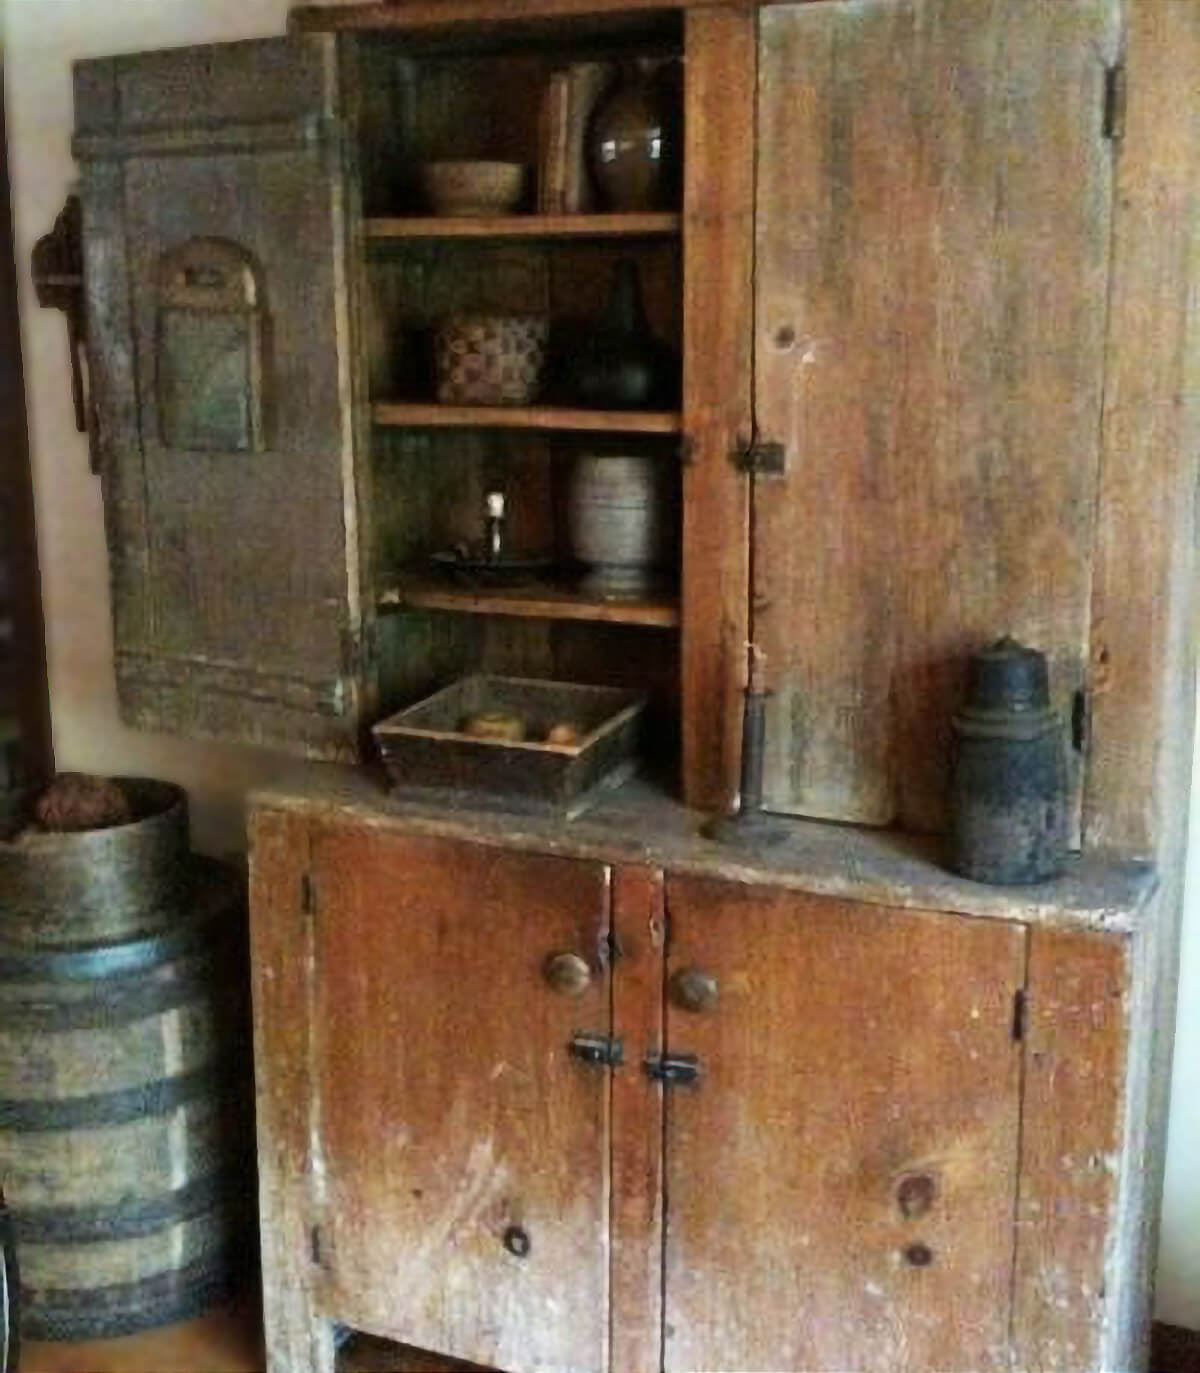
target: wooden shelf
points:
(434, 416)
(526, 226)
(533, 603)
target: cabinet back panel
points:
(450, 1107)
(933, 203)
(845, 1172)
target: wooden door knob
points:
(567, 973)
(695, 991)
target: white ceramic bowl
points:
(473, 188)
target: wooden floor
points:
(228, 1340)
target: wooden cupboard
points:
(929, 283)
(919, 247)
(902, 1147)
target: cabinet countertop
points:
(639, 823)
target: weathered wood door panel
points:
(840, 1185)
(933, 216)
(215, 233)
(456, 1129)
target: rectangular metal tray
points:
(424, 748)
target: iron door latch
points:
(601, 1051)
(673, 1070)
(760, 458)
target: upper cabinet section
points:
(934, 205)
(219, 325)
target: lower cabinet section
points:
(464, 1152)
(552, 1115)
(841, 1184)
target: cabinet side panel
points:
(1143, 634)
(718, 323)
(1071, 1152)
(280, 952)
(465, 1150)
(841, 1181)
(933, 228)
(639, 927)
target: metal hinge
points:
(1081, 720)
(1114, 102)
(1020, 1014)
(308, 896)
(673, 1069)
(602, 1051)
(761, 458)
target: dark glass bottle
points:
(618, 364)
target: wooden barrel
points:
(124, 1120)
(99, 885)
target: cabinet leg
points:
(296, 1341)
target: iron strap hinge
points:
(760, 458)
(1115, 95)
(601, 1051)
(673, 1070)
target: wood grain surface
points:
(1071, 1149)
(452, 1113)
(851, 1050)
(418, 415)
(298, 1340)
(929, 345)
(639, 929)
(629, 225)
(1143, 625)
(718, 317)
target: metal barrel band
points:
(114, 1108)
(105, 1312)
(126, 1220)
(108, 960)
(112, 1006)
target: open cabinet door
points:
(215, 240)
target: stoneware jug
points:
(621, 521)
(633, 142)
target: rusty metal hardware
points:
(673, 1070)
(695, 991)
(601, 1051)
(57, 269)
(516, 1241)
(567, 973)
(1115, 99)
(761, 458)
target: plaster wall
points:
(41, 38)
